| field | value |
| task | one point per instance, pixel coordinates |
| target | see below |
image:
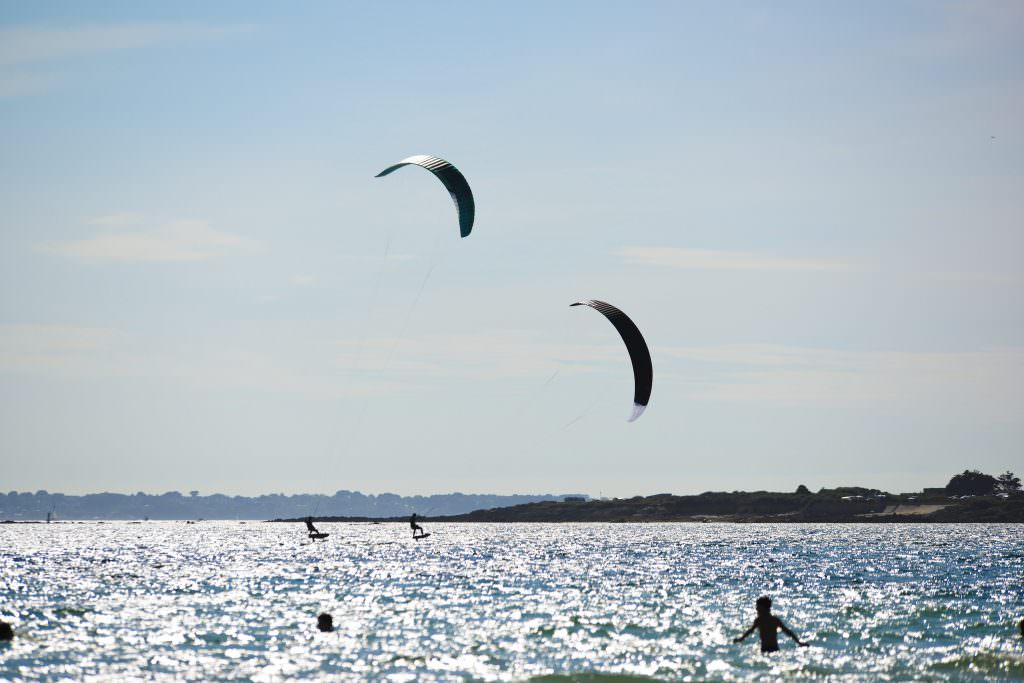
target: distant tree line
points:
(174, 505)
(975, 483)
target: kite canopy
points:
(643, 370)
(453, 181)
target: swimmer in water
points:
(325, 622)
(768, 626)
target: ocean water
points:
(561, 602)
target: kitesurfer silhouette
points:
(768, 626)
(309, 526)
(415, 527)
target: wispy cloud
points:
(983, 384)
(322, 369)
(975, 278)
(177, 241)
(55, 350)
(487, 355)
(27, 44)
(118, 220)
(25, 47)
(22, 84)
(707, 259)
(92, 353)
(15, 339)
(985, 381)
(966, 27)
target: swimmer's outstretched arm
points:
(791, 634)
(745, 634)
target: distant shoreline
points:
(174, 505)
(849, 504)
(836, 506)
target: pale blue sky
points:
(812, 210)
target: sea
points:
(238, 601)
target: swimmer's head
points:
(764, 604)
(325, 622)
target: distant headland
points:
(968, 497)
(971, 496)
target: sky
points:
(813, 211)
